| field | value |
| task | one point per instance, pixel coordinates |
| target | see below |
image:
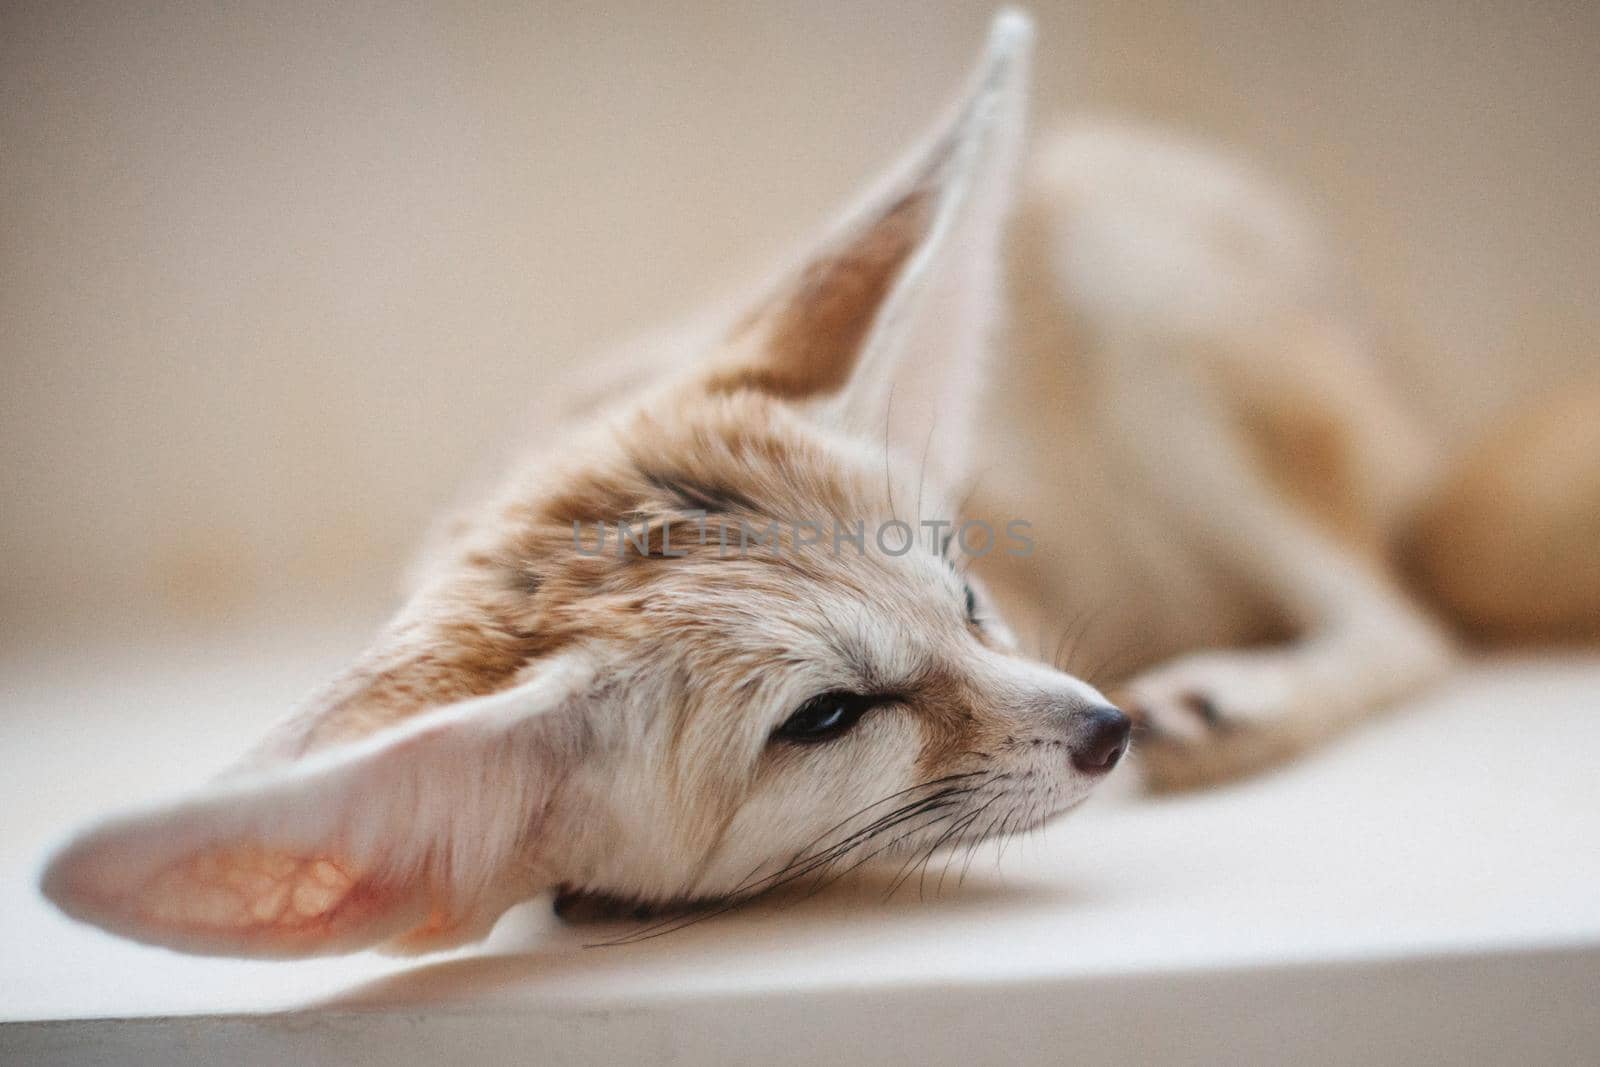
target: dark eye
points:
(972, 606)
(826, 716)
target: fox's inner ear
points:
(420, 836)
(889, 319)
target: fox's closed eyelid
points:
(828, 716)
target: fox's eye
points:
(826, 716)
(972, 606)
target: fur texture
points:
(1507, 542)
(1185, 413)
(609, 723)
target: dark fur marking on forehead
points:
(692, 494)
(523, 579)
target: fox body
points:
(1148, 376)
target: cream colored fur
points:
(1183, 408)
(1175, 321)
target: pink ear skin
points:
(418, 834)
(228, 899)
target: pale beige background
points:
(276, 278)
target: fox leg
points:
(1358, 641)
(1212, 715)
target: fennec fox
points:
(737, 628)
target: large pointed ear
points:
(888, 321)
(419, 836)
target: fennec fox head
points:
(673, 721)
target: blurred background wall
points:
(276, 278)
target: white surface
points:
(1461, 830)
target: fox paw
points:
(1212, 717)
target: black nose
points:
(1100, 737)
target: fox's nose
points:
(1099, 738)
